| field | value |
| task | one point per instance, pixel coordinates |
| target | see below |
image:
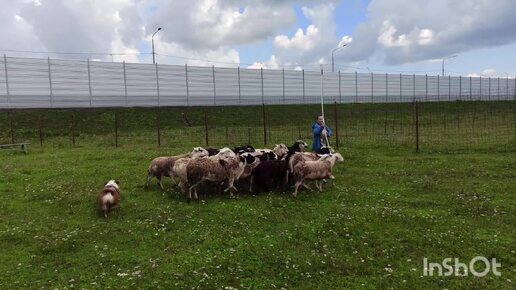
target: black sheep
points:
(270, 174)
(245, 148)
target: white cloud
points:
(209, 24)
(403, 31)
(313, 44)
(272, 63)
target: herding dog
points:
(109, 197)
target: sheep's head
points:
(247, 158)
(199, 152)
(226, 152)
(338, 157)
(280, 150)
(302, 145)
(325, 150)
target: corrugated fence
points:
(52, 83)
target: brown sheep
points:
(315, 170)
(215, 169)
(162, 166)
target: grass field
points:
(390, 208)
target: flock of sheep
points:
(268, 169)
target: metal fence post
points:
(7, 83)
(283, 75)
(187, 91)
(261, 74)
(89, 83)
(438, 89)
(489, 88)
(414, 86)
(470, 92)
(401, 91)
(507, 88)
(356, 87)
(386, 87)
(372, 88)
(426, 87)
(460, 88)
(498, 94)
(214, 88)
(303, 86)
(340, 90)
(449, 88)
(239, 92)
(125, 83)
(480, 79)
(50, 82)
(157, 85)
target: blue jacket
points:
(317, 129)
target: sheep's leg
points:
(149, 177)
(251, 184)
(160, 177)
(296, 187)
(189, 195)
(306, 186)
(196, 195)
(230, 187)
(194, 189)
(318, 184)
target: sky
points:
(475, 37)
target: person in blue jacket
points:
(318, 127)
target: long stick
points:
(322, 103)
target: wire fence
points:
(419, 126)
(62, 103)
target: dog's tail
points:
(106, 202)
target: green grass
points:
(390, 207)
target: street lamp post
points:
(333, 51)
(447, 58)
(152, 38)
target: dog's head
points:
(113, 183)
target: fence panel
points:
(49, 83)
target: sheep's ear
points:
(242, 158)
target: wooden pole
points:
(73, 130)
(116, 129)
(336, 116)
(206, 129)
(40, 130)
(264, 125)
(158, 125)
(417, 125)
(11, 123)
